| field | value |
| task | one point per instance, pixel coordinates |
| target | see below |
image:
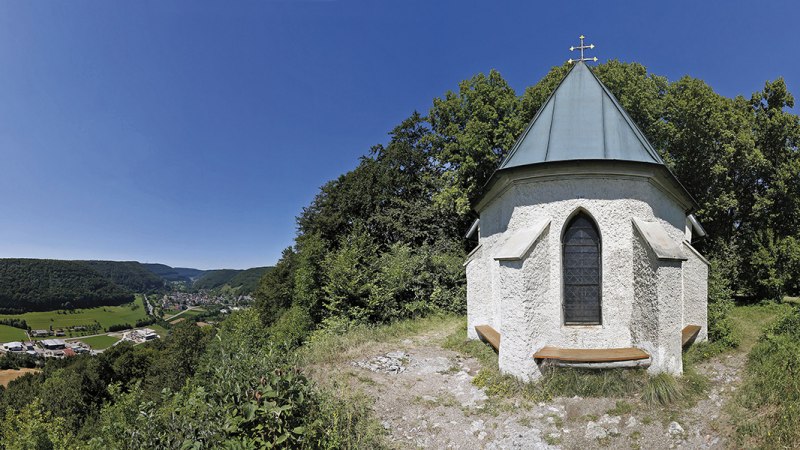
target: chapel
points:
(584, 254)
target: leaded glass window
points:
(581, 271)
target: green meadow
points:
(10, 334)
(104, 315)
(100, 342)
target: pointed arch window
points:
(581, 253)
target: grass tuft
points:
(569, 382)
(662, 389)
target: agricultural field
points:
(187, 313)
(9, 334)
(9, 375)
(104, 315)
(100, 342)
(162, 332)
(167, 313)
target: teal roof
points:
(581, 121)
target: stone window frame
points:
(580, 210)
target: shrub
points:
(720, 304)
(119, 327)
(248, 393)
(292, 327)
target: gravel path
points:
(425, 398)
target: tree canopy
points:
(385, 240)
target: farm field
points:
(186, 313)
(9, 334)
(167, 313)
(104, 315)
(100, 342)
(9, 375)
(162, 332)
(193, 312)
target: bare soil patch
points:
(9, 375)
(425, 398)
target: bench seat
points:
(689, 333)
(599, 355)
(489, 335)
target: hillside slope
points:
(179, 274)
(130, 275)
(245, 281)
(42, 284)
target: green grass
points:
(192, 313)
(749, 321)
(162, 332)
(791, 300)
(10, 334)
(329, 346)
(100, 342)
(105, 315)
(766, 412)
(631, 384)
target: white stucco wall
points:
(695, 292)
(480, 302)
(523, 300)
(525, 308)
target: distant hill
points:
(245, 281)
(168, 273)
(43, 284)
(130, 275)
(46, 284)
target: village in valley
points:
(154, 314)
(313, 224)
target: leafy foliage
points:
(129, 275)
(384, 241)
(41, 285)
(174, 274)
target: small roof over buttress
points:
(581, 121)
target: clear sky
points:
(192, 133)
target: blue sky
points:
(192, 133)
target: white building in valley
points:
(584, 254)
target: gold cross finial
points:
(582, 48)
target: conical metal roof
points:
(581, 121)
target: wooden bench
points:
(689, 334)
(489, 335)
(599, 355)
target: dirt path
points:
(425, 398)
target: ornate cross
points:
(582, 48)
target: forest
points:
(45, 285)
(42, 285)
(384, 242)
(243, 281)
(130, 275)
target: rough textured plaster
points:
(642, 298)
(479, 294)
(525, 308)
(695, 293)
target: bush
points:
(720, 304)
(145, 322)
(247, 393)
(16, 323)
(119, 327)
(292, 327)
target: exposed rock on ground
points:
(425, 398)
